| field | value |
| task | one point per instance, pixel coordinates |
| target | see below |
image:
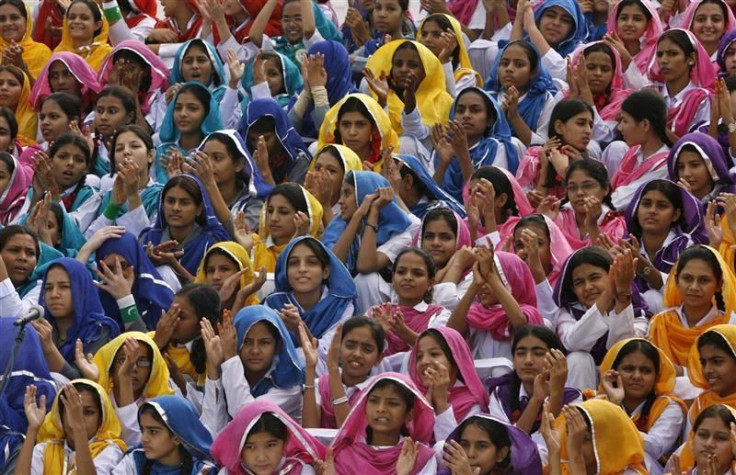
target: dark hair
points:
(125, 97)
(428, 261)
(200, 43)
(680, 39)
(9, 162)
(332, 150)
(720, 411)
(319, 251)
(404, 393)
(443, 23)
(293, 194)
(565, 110)
(191, 187)
(440, 340)
(71, 139)
(70, 105)
(17, 4)
(9, 115)
(96, 12)
(502, 185)
(638, 3)
(702, 253)
(352, 104)
(595, 256)
(12, 230)
(58, 213)
(133, 57)
(497, 433)
(648, 104)
(595, 170)
(408, 45)
(139, 132)
(232, 149)
(531, 54)
(270, 424)
(187, 463)
(713, 2)
(715, 339)
(671, 192)
(206, 304)
(440, 213)
(605, 49)
(200, 92)
(19, 74)
(362, 321)
(650, 352)
(491, 116)
(416, 184)
(263, 124)
(534, 220)
(82, 387)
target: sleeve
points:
(440, 319)
(135, 221)
(582, 334)
(701, 115)
(555, 64)
(128, 416)
(107, 460)
(37, 459)
(496, 409)
(449, 79)
(539, 135)
(70, 372)
(314, 39)
(235, 386)
(246, 52)
(11, 304)
(87, 212)
(126, 466)
(446, 294)
(413, 125)
(603, 131)
(446, 422)
(482, 55)
(546, 304)
(465, 82)
(665, 432)
(634, 78)
(395, 245)
(301, 167)
(214, 408)
(230, 109)
(621, 326)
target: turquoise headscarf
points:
(218, 79)
(291, 75)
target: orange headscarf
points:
(687, 461)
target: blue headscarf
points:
(436, 193)
(286, 369)
(151, 293)
(290, 140)
(48, 255)
(218, 79)
(290, 73)
(328, 311)
(72, 238)
(182, 420)
(391, 219)
(484, 152)
(194, 247)
(531, 107)
(326, 28)
(579, 28)
(89, 316)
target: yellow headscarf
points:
(617, 443)
(695, 372)
(52, 432)
(24, 113)
(687, 461)
(666, 330)
(95, 53)
(464, 68)
(350, 160)
(265, 252)
(663, 386)
(728, 243)
(389, 137)
(158, 380)
(241, 258)
(433, 101)
(35, 54)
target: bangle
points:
(372, 226)
(307, 386)
(339, 400)
(624, 294)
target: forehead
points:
(471, 97)
(302, 250)
(259, 330)
(195, 49)
(80, 8)
(585, 269)
(407, 54)
(57, 274)
(19, 239)
(598, 57)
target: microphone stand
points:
(9, 367)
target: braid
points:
(147, 466)
(198, 355)
(720, 302)
(643, 422)
(187, 463)
(515, 386)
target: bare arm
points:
(260, 23)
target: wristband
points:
(339, 400)
(128, 310)
(373, 227)
(111, 211)
(307, 386)
(112, 12)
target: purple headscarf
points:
(713, 156)
(726, 40)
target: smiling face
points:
(82, 24)
(19, 256)
(10, 89)
(304, 270)
(68, 165)
(196, 65)
(411, 280)
(189, 113)
(430, 353)
(358, 354)
(719, 369)
(631, 23)
(439, 240)
(556, 25)
(588, 283)
(12, 23)
(709, 24)
(262, 452)
(348, 201)
(292, 23)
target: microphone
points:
(33, 313)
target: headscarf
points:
(42, 33)
(152, 294)
(433, 101)
(265, 251)
(726, 40)
(687, 460)
(290, 74)
(461, 397)
(13, 197)
(617, 444)
(96, 52)
(559, 248)
(462, 10)
(240, 257)
(540, 85)
(24, 113)
(47, 255)
(578, 33)
(703, 73)
(708, 397)
(212, 122)
(616, 93)
(184, 32)
(351, 449)
(330, 309)
(712, 154)
(89, 316)
(523, 454)
(35, 54)
(688, 17)
(664, 384)
(666, 329)
(484, 152)
(435, 193)
(648, 39)
(158, 70)
(182, 420)
(301, 447)
(517, 278)
(78, 67)
(52, 431)
(462, 238)
(218, 78)
(384, 136)
(194, 247)
(391, 219)
(158, 380)
(349, 159)
(72, 238)
(464, 67)
(286, 369)
(289, 138)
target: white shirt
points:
(104, 463)
(581, 335)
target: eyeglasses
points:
(141, 362)
(587, 187)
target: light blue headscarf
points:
(290, 74)
(218, 79)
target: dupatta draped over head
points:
(14, 196)
(579, 29)
(464, 66)
(78, 67)
(218, 76)
(351, 449)
(96, 52)
(301, 447)
(35, 54)
(330, 309)
(648, 40)
(712, 154)
(52, 431)
(436, 194)
(727, 40)
(688, 17)
(610, 108)
(290, 74)
(89, 316)
(727, 333)
(239, 256)
(212, 122)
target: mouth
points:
(355, 364)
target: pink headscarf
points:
(689, 16)
(351, 451)
(13, 198)
(518, 279)
(461, 240)
(628, 171)
(301, 447)
(559, 249)
(462, 398)
(462, 9)
(159, 71)
(529, 170)
(650, 37)
(327, 412)
(613, 226)
(703, 74)
(618, 94)
(81, 70)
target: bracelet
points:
(339, 400)
(307, 386)
(624, 294)
(372, 226)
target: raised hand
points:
(242, 232)
(613, 386)
(85, 363)
(236, 68)
(260, 157)
(35, 411)
(379, 85)
(309, 347)
(164, 253)
(449, 43)
(316, 73)
(713, 225)
(166, 326)
(116, 282)
(407, 458)
(212, 347)
(228, 336)
(455, 458)
(442, 145)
